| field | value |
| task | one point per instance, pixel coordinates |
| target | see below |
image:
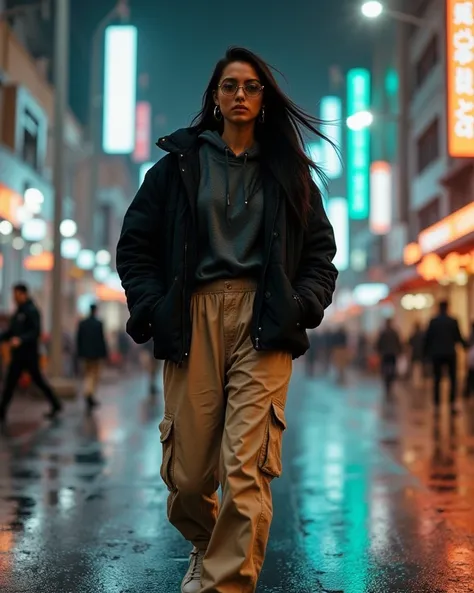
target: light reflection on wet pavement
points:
(375, 497)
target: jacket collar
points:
(182, 140)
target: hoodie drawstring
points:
(227, 177)
(242, 177)
(246, 196)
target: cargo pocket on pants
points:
(166, 438)
(270, 455)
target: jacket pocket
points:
(166, 438)
(282, 315)
(166, 323)
(270, 455)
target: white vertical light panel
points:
(338, 215)
(331, 115)
(381, 187)
(120, 89)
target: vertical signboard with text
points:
(381, 202)
(358, 145)
(460, 77)
(141, 153)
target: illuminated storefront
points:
(441, 264)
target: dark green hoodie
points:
(230, 211)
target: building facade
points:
(27, 193)
(439, 247)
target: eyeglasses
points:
(251, 88)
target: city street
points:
(374, 498)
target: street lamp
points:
(373, 9)
(6, 228)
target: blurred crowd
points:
(87, 354)
(424, 358)
(431, 352)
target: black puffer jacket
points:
(90, 339)
(25, 324)
(157, 259)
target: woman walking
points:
(226, 259)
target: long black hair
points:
(280, 135)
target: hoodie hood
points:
(215, 139)
(221, 154)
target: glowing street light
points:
(70, 248)
(372, 9)
(360, 121)
(6, 228)
(18, 243)
(68, 228)
(34, 200)
(103, 258)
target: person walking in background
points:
(416, 343)
(23, 335)
(227, 281)
(441, 338)
(469, 390)
(362, 352)
(389, 348)
(92, 350)
(340, 353)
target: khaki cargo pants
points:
(223, 425)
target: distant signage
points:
(358, 145)
(142, 132)
(120, 89)
(380, 197)
(453, 227)
(460, 77)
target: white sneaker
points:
(192, 580)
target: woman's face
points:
(239, 105)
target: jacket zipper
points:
(259, 312)
(183, 308)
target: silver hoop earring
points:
(217, 113)
(261, 118)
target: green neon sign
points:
(358, 146)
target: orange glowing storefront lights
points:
(453, 227)
(433, 267)
(39, 263)
(460, 77)
(107, 293)
(10, 203)
(411, 254)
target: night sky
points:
(180, 41)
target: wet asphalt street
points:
(374, 497)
